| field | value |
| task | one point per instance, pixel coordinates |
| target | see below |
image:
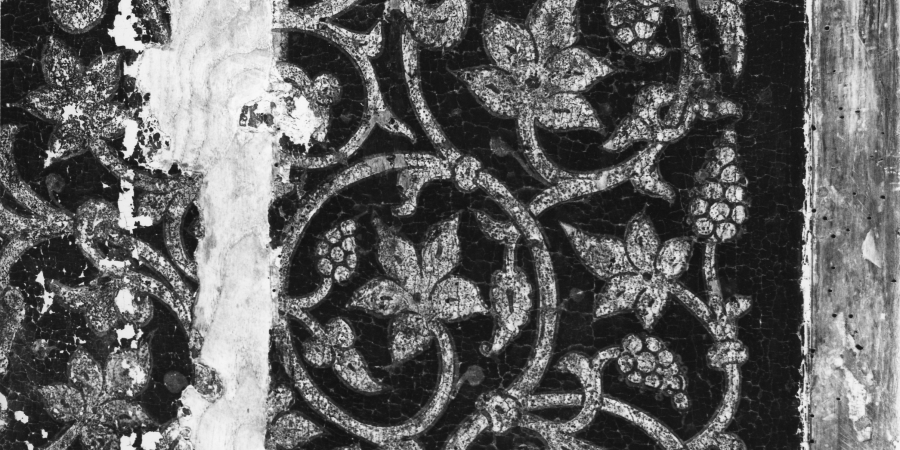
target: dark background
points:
(43, 346)
(765, 262)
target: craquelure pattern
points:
(520, 225)
(557, 224)
(98, 279)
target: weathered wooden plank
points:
(854, 210)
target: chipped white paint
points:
(291, 114)
(123, 28)
(47, 297)
(127, 442)
(150, 440)
(131, 137)
(127, 332)
(209, 75)
(125, 301)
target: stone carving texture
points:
(98, 281)
(490, 167)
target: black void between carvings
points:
(80, 368)
(761, 261)
(379, 292)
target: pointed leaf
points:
(352, 369)
(630, 129)
(397, 255)
(453, 299)
(292, 429)
(500, 231)
(567, 111)
(382, 297)
(410, 336)
(604, 255)
(495, 89)
(67, 141)
(576, 69)
(729, 19)
(63, 402)
(441, 252)
(340, 333)
(60, 64)
(47, 103)
(84, 372)
(645, 123)
(673, 257)
(619, 295)
(508, 43)
(554, 25)
(104, 74)
(651, 303)
(510, 304)
(641, 243)
(647, 180)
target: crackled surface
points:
(97, 269)
(426, 225)
(555, 224)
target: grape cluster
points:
(336, 252)
(719, 203)
(646, 362)
(633, 24)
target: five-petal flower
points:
(100, 402)
(420, 290)
(640, 273)
(538, 74)
(77, 99)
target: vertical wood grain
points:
(854, 209)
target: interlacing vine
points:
(538, 77)
(99, 401)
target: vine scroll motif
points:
(538, 77)
(99, 401)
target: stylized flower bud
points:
(633, 24)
